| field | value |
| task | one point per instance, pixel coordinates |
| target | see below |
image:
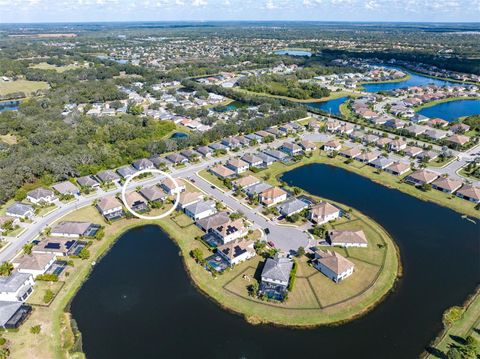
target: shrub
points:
(48, 296)
(35, 329)
(48, 277)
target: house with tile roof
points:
(333, 265)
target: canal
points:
(139, 302)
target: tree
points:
(454, 353)
(84, 254)
(197, 254)
(135, 110)
(35, 329)
(27, 248)
(300, 251)
(6, 269)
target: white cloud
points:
(199, 3)
(270, 5)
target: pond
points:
(139, 302)
(177, 135)
(414, 80)
(330, 106)
(230, 107)
(452, 110)
(293, 52)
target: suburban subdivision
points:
(311, 189)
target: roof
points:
(470, 191)
(307, 144)
(71, 227)
(251, 158)
(34, 261)
(107, 176)
(214, 220)
(8, 310)
(126, 171)
(423, 176)
(167, 182)
(222, 171)
(237, 163)
(39, 193)
(273, 192)
(332, 143)
(277, 268)
(347, 236)
(54, 244)
(398, 167)
(176, 157)
(447, 183)
(134, 197)
(351, 152)
(153, 193)
(200, 207)
(19, 208)
(189, 197)
(230, 227)
(246, 181)
(143, 163)
(257, 188)
(292, 205)
(382, 162)
(86, 181)
(108, 202)
(65, 187)
(324, 209)
(459, 139)
(235, 248)
(333, 261)
(13, 282)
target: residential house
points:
(66, 188)
(347, 238)
(397, 145)
(136, 202)
(256, 189)
(275, 276)
(368, 156)
(188, 198)
(323, 212)
(457, 140)
(245, 182)
(126, 171)
(41, 195)
(205, 151)
(412, 151)
(236, 251)
(190, 154)
(307, 146)
(88, 181)
(351, 152)
(108, 176)
(278, 155)
(398, 168)
(267, 160)
(34, 263)
(231, 230)
(13, 314)
(213, 221)
(252, 160)
(59, 246)
(291, 207)
(290, 148)
(153, 194)
(421, 177)
(470, 193)
(222, 172)
(110, 207)
(16, 287)
(333, 145)
(333, 265)
(446, 184)
(177, 158)
(74, 229)
(426, 156)
(381, 162)
(383, 142)
(273, 196)
(237, 165)
(201, 209)
(435, 134)
(20, 210)
(143, 164)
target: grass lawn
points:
(25, 86)
(39, 291)
(205, 174)
(468, 324)
(43, 211)
(59, 69)
(15, 232)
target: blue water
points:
(9, 106)
(179, 135)
(452, 110)
(414, 80)
(293, 52)
(331, 106)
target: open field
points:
(59, 69)
(27, 87)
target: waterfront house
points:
(59, 246)
(267, 160)
(34, 263)
(333, 145)
(307, 146)
(381, 162)
(237, 165)
(66, 188)
(41, 195)
(273, 196)
(421, 177)
(222, 172)
(446, 184)
(351, 152)
(470, 193)
(13, 314)
(136, 202)
(278, 155)
(398, 168)
(275, 277)
(368, 156)
(74, 229)
(110, 207)
(323, 212)
(16, 287)
(231, 230)
(291, 207)
(201, 209)
(237, 251)
(290, 148)
(20, 210)
(347, 238)
(333, 265)
(88, 181)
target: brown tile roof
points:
(447, 183)
(222, 171)
(470, 191)
(323, 209)
(246, 181)
(333, 261)
(347, 236)
(109, 202)
(423, 176)
(34, 261)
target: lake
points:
(414, 80)
(452, 110)
(293, 52)
(139, 302)
(331, 106)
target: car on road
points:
(271, 244)
(267, 231)
(192, 180)
(212, 186)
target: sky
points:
(203, 10)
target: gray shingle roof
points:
(277, 268)
(13, 282)
(291, 206)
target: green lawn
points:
(59, 69)
(27, 87)
(207, 175)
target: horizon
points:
(376, 11)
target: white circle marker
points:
(124, 189)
